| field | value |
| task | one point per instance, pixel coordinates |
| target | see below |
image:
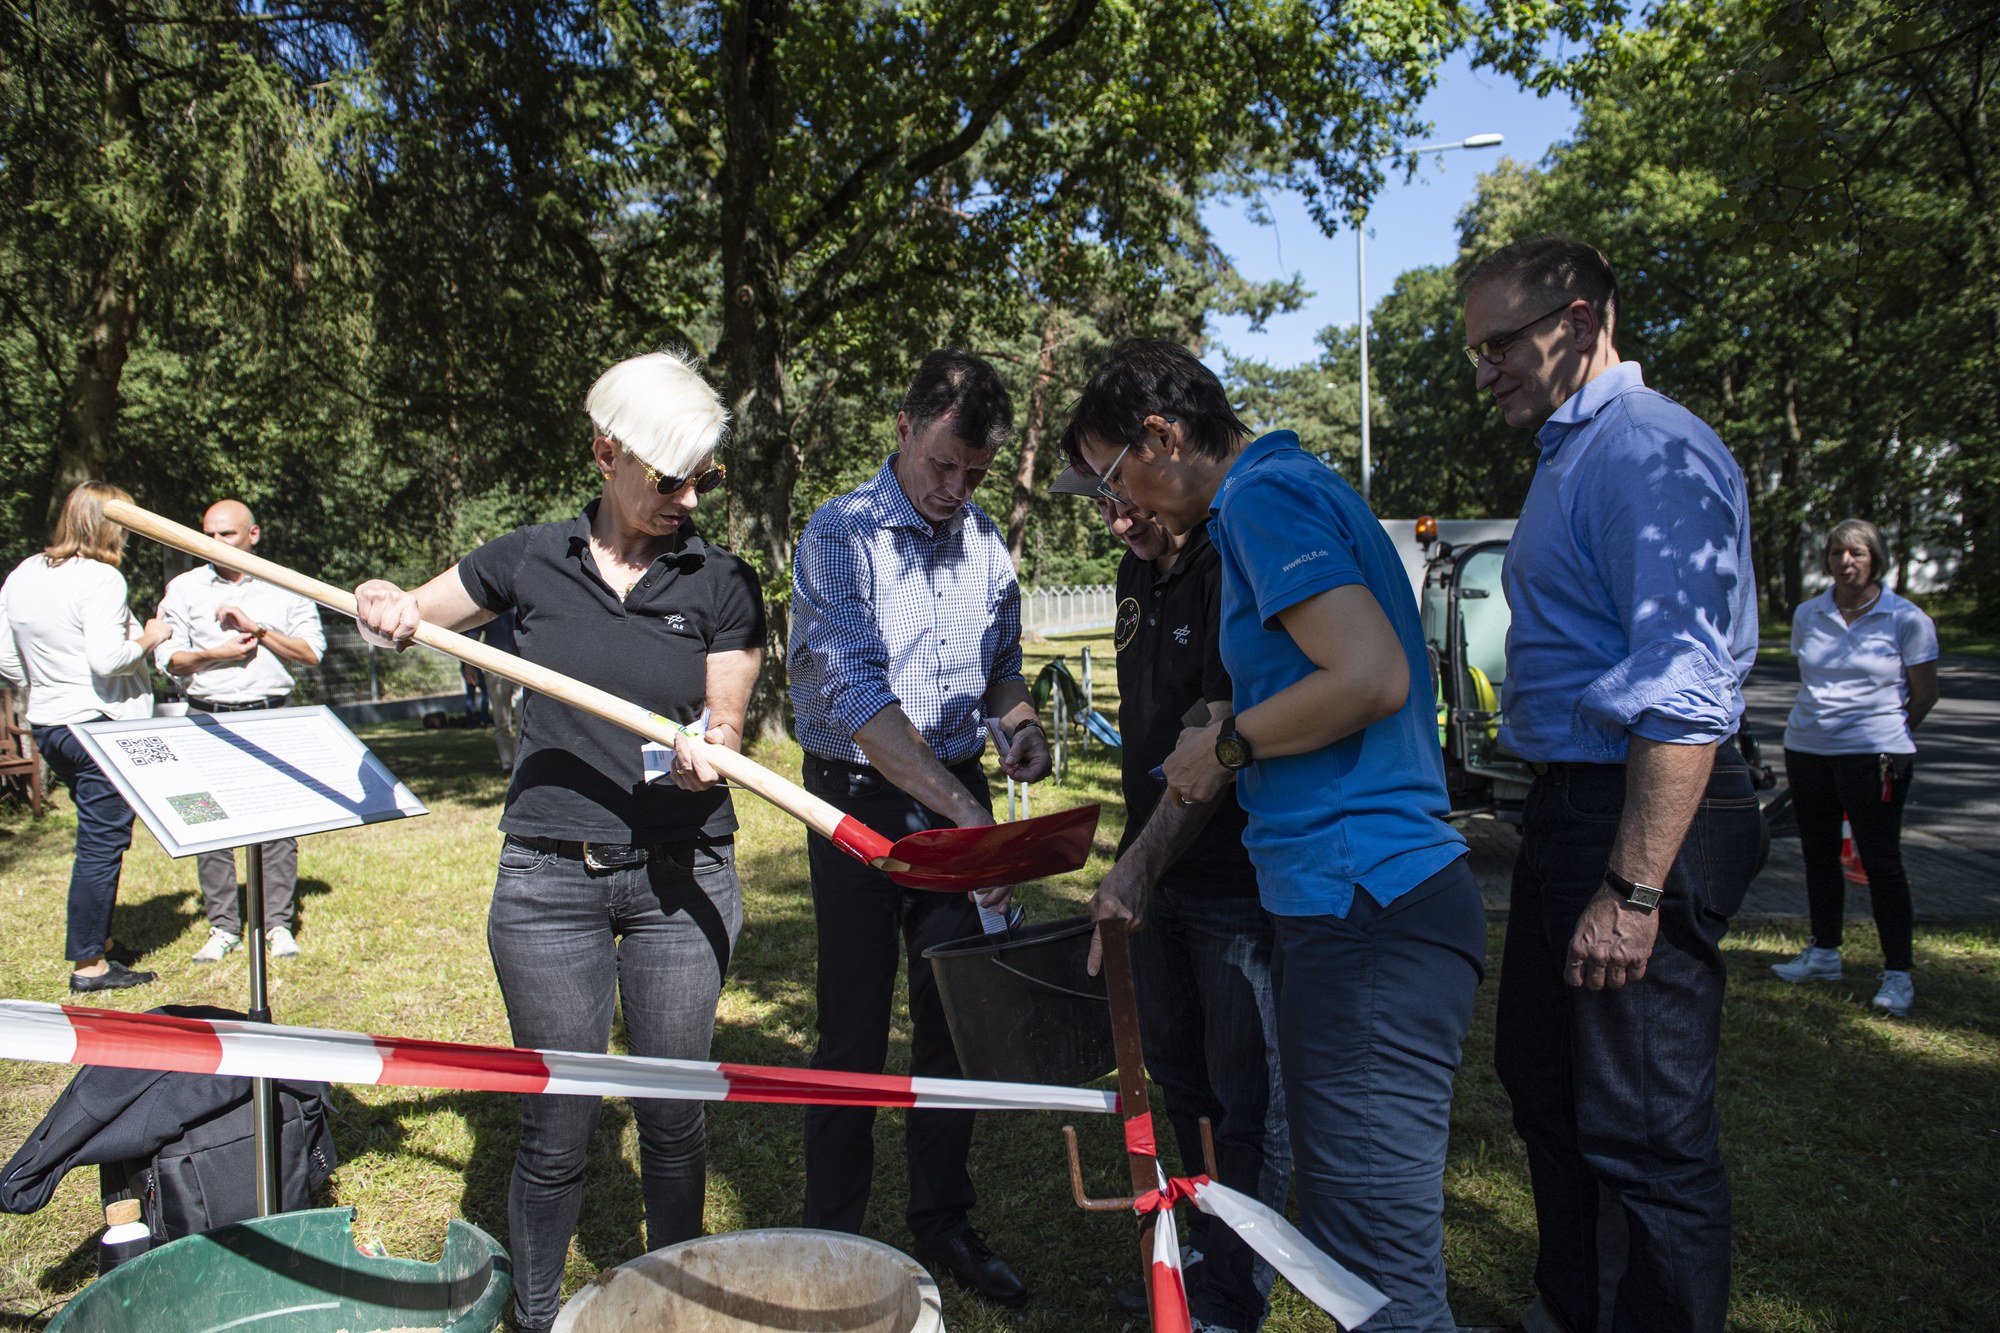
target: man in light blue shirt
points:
(906, 638)
(1634, 613)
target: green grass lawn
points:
(1864, 1151)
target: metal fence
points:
(350, 672)
(1069, 610)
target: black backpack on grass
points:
(182, 1144)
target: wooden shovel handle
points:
(820, 816)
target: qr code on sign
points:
(143, 750)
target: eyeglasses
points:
(703, 482)
(1104, 490)
(1494, 349)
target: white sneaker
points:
(220, 942)
(281, 943)
(1898, 993)
(1812, 964)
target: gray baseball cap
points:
(1071, 481)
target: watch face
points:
(1231, 753)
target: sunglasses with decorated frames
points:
(703, 482)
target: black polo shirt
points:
(577, 776)
(1169, 640)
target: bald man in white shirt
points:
(232, 636)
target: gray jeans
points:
(217, 872)
(568, 944)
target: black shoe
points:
(117, 977)
(976, 1268)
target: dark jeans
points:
(1202, 967)
(1616, 1088)
(1824, 788)
(568, 942)
(103, 832)
(866, 924)
(1372, 1014)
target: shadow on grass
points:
(147, 924)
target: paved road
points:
(1951, 842)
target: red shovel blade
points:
(985, 858)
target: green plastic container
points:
(299, 1272)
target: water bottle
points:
(125, 1236)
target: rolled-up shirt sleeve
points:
(1663, 531)
(832, 582)
(302, 622)
(174, 609)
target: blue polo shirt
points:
(1368, 810)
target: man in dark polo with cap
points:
(1201, 947)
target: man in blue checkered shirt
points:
(906, 638)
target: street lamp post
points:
(1361, 283)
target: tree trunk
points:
(1031, 435)
(754, 345)
(1791, 533)
(90, 405)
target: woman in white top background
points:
(68, 635)
(1867, 676)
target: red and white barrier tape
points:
(65, 1034)
(1316, 1275)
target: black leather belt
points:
(1543, 770)
(205, 706)
(596, 855)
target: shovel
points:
(951, 860)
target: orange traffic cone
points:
(1850, 863)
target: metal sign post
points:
(216, 782)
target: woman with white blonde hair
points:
(612, 889)
(68, 635)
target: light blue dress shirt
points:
(1368, 810)
(888, 607)
(1629, 581)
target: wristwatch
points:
(1231, 750)
(1638, 897)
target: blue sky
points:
(1411, 224)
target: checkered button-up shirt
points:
(888, 607)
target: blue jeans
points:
(1202, 967)
(1615, 1090)
(568, 943)
(103, 832)
(1372, 1014)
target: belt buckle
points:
(634, 856)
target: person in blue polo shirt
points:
(1381, 934)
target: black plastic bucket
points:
(1022, 1009)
